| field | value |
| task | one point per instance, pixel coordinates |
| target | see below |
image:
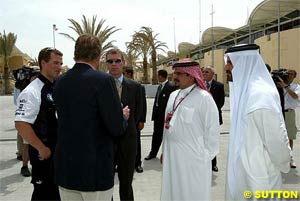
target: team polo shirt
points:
(36, 107)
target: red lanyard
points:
(175, 107)
(170, 114)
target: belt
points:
(288, 110)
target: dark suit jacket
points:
(89, 117)
(218, 94)
(131, 96)
(158, 113)
(144, 104)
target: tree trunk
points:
(154, 68)
(6, 76)
(145, 68)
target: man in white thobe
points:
(258, 144)
(191, 136)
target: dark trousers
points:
(42, 177)
(126, 154)
(214, 162)
(138, 161)
(45, 191)
(157, 136)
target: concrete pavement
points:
(146, 185)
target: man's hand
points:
(281, 83)
(44, 153)
(141, 126)
(126, 112)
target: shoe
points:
(149, 157)
(25, 171)
(139, 169)
(292, 163)
(215, 168)
(19, 158)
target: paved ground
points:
(146, 185)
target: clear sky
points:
(32, 20)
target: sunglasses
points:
(205, 71)
(117, 61)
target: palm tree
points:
(140, 47)
(147, 34)
(93, 28)
(131, 57)
(7, 42)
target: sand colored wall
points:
(289, 50)
(218, 63)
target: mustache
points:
(176, 80)
(228, 71)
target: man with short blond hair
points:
(129, 96)
(89, 119)
(216, 89)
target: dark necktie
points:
(207, 85)
(158, 92)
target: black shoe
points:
(149, 157)
(25, 171)
(215, 168)
(19, 158)
(139, 169)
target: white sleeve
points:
(28, 106)
(212, 127)
(275, 138)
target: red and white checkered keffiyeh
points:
(193, 69)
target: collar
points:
(121, 78)
(44, 79)
(183, 92)
(163, 83)
(82, 62)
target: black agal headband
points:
(244, 47)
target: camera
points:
(280, 73)
(23, 75)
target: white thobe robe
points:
(265, 153)
(189, 145)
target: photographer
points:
(292, 100)
(23, 77)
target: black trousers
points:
(157, 136)
(45, 191)
(42, 177)
(138, 161)
(126, 154)
(214, 161)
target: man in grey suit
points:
(89, 118)
(130, 96)
(217, 91)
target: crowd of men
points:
(84, 126)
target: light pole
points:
(54, 29)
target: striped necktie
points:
(119, 87)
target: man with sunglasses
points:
(126, 147)
(216, 89)
(258, 148)
(36, 122)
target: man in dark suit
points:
(130, 95)
(217, 91)
(164, 90)
(128, 73)
(89, 118)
